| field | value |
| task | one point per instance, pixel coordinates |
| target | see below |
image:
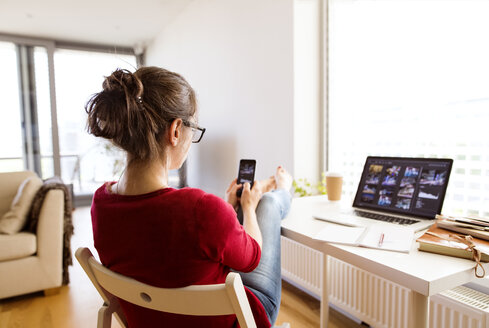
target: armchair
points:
(31, 262)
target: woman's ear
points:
(175, 131)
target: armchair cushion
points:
(14, 220)
(17, 246)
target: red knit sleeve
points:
(222, 238)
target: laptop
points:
(406, 192)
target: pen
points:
(381, 239)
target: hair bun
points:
(125, 81)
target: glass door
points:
(30, 119)
(26, 126)
(11, 136)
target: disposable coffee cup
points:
(334, 182)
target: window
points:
(26, 109)
(44, 128)
(11, 156)
(410, 78)
(86, 161)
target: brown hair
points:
(134, 110)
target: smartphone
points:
(246, 173)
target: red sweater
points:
(173, 238)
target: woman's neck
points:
(142, 178)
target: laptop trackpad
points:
(344, 219)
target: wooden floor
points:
(76, 305)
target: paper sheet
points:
(340, 234)
(395, 238)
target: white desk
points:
(426, 274)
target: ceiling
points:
(99, 22)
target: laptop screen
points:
(410, 186)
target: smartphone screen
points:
(246, 173)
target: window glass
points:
(43, 102)
(86, 161)
(409, 78)
(11, 151)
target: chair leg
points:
(104, 317)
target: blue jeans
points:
(266, 281)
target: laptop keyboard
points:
(386, 218)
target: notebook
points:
(406, 192)
(391, 238)
(442, 241)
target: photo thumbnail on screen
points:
(368, 193)
(385, 198)
(392, 173)
(406, 181)
(429, 192)
(374, 174)
(403, 203)
(411, 171)
(406, 191)
(433, 177)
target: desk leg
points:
(325, 294)
(421, 310)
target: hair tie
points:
(140, 105)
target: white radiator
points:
(301, 266)
(374, 300)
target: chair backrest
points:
(204, 300)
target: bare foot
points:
(283, 179)
(268, 184)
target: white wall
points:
(238, 56)
(307, 89)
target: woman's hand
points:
(231, 197)
(249, 202)
(251, 197)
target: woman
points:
(177, 237)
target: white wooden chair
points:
(204, 300)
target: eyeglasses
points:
(197, 131)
